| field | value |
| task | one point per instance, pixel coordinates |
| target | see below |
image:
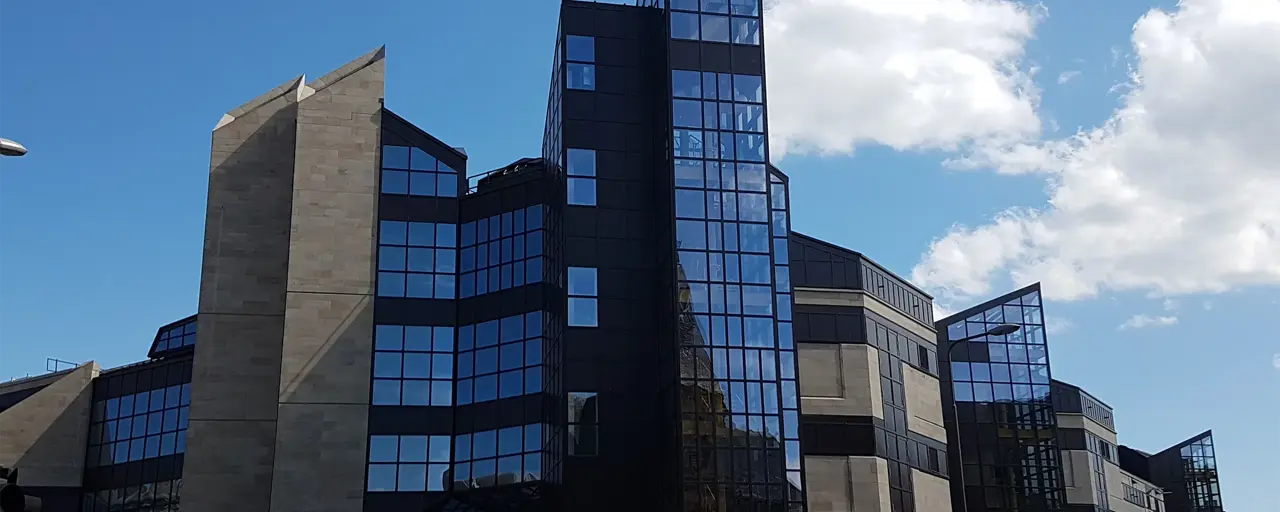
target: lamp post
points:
(999, 330)
(11, 148)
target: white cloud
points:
(1275, 361)
(1066, 76)
(1208, 305)
(1057, 325)
(1169, 304)
(1144, 321)
(1174, 194)
(910, 75)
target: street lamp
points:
(11, 148)
(999, 330)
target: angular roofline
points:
(862, 257)
(292, 85)
(424, 133)
(987, 305)
(1082, 390)
(349, 68)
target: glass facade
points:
(161, 496)
(411, 171)
(139, 426)
(1001, 389)
(496, 457)
(500, 358)
(417, 259)
(1200, 475)
(502, 252)
(413, 365)
(738, 401)
(176, 336)
(408, 463)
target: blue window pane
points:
(580, 162)
(465, 394)
(419, 259)
(415, 338)
(687, 5)
(486, 388)
(413, 449)
(686, 84)
(688, 143)
(436, 477)
(415, 392)
(753, 207)
(750, 147)
(421, 234)
(715, 28)
(779, 223)
(152, 447)
(419, 160)
(386, 392)
(710, 114)
(746, 31)
(533, 379)
(582, 191)
(447, 185)
(690, 204)
(691, 234)
(533, 351)
(395, 157)
(441, 393)
(582, 312)
(757, 300)
(533, 270)
(422, 184)
(141, 401)
(580, 48)
(980, 372)
(510, 440)
(485, 444)
(684, 25)
(154, 422)
(511, 357)
(416, 365)
(710, 90)
(749, 118)
(582, 76)
(388, 337)
(411, 477)
(582, 282)
(446, 261)
(446, 235)
(753, 237)
(748, 88)
(694, 265)
(782, 279)
(745, 7)
(391, 232)
(167, 444)
(395, 182)
(784, 307)
(486, 361)
(729, 204)
(982, 392)
(391, 258)
(686, 113)
(716, 6)
(382, 477)
(139, 426)
(533, 217)
(383, 448)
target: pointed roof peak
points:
(290, 85)
(347, 69)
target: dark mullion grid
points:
(504, 345)
(412, 171)
(109, 441)
(496, 240)
(162, 495)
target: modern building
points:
(381, 330)
(624, 322)
(1028, 441)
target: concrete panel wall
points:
(861, 299)
(44, 436)
(328, 336)
(932, 494)
(1078, 476)
(840, 379)
(1116, 480)
(236, 372)
(1073, 420)
(847, 484)
(924, 404)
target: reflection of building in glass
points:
(1188, 471)
(1000, 389)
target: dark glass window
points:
(583, 423)
(493, 457)
(583, 293)
(408, 463)
(413, 365)
(417, 259)
(411, 171)
(580, 54)
(139, 426)
(508, 257)
(500, 358)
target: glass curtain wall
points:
(1008, 431)
(738, 402)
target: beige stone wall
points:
(1073, 420)
(44, 436)
(328, 328)
(924, 404)
(862, 299)
(932, 494)
(840, 379)
(846, 484)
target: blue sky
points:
(101, 225)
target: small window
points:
(580, 48)
(684, 25)
(715, 28)
(581, 165)
(583, 293)
(583, 424)
(923, 354)
(580, 53)
(582, 76)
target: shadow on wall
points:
(45, 435)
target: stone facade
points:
(932, 494)
(44, 435)
(847, 484)
(280, 386)
(840, 380)
(924, 404)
